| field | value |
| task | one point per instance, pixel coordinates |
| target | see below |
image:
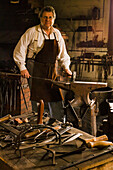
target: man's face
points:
(47, 19)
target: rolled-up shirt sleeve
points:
(20, 50)
(63, 55)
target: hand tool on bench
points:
(44, 145)
(30, 134)
(99, 144)
(46, 130)
(13, 118)
(5, 118)
(99, 138)
(71, 138)
(38, 132)
(47, 141)
(8, 117)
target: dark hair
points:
(47, 9)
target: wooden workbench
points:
(34, 158)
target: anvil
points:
(80, 88)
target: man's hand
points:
(25, 73)
(68, 72)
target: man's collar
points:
(38, 28)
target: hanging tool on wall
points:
(86, 30)
(74, 32)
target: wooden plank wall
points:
(72, 15)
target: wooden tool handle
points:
(99, 144)
(40, 112)
(7, 117)
(35, 132)
(100, 138)
(55, 127)
(29, 134)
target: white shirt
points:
(32, 41)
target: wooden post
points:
(40, 112)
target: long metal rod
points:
(40, 78)
(60, 84)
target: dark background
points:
(14, 21)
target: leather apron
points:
(44, 67)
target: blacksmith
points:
(37, 54)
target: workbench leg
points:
(53, 154)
